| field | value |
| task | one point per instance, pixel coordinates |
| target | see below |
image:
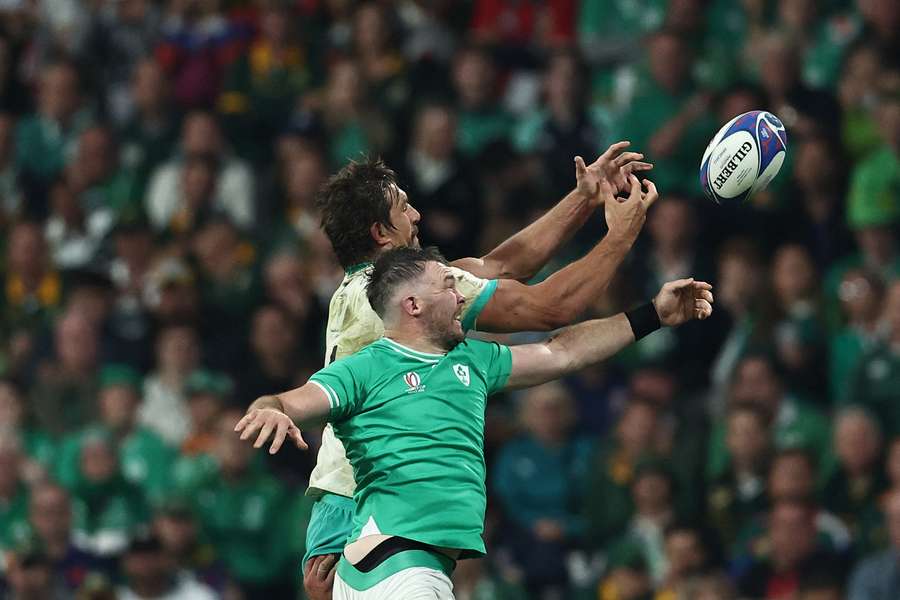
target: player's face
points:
(444, 306)
(405, 220)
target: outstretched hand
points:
(626, 217)
(268, 421)
(682, 300)
(614, 166)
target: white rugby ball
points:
(743, 157)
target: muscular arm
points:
(558, 300)
(525, 253)
(593, 341)
(562, 297)
(573, 349)
(277, 416)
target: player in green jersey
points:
(364, 212)
(409, 409)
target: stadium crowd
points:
(162, 266)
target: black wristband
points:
(644, 320)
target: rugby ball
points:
(743, 157)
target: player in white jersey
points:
(364, 212)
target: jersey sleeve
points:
(343, 381)
(476, 291)
(495, 362)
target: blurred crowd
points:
(162, 266)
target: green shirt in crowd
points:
(875, 384)
(14, 527)
(413, 427)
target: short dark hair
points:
(350, 202)
(394, 267)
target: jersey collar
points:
(356, 268)
(415, 353)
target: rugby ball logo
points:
(413, 382)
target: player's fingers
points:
(326, 565)
(638, 165)
(281, 431)
(678, 284)
(627, 157)
(704, 295)
(251, 427)
(635, 193)
(295, 435)
(264, 434)
(702, 307)
(244, 420)
(702, 285)
(614, 149)
(651, 195)
(580, 168)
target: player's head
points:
(364, 212)
(413, 289)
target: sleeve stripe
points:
(337, 400)
(331, 403)
(471, 316)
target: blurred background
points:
(162, 266)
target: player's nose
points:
(415, 216)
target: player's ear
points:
(411, 305)
(380, 234)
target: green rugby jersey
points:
(413, 427)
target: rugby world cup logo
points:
(413, 382)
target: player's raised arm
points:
(525, 253)
(561, 298)
(593, 341)
(275, 416)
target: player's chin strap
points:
(644, 320)
(389, 548)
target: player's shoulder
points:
(480, 349)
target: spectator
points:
(353, 128)
(687, 553)
(653, 493)
(152, 573)
(854, 487)
(150, 133)
(538, 479)
(636, 435)
(198, 43)
(565, 125)
(44, 139)
(207, 394)
(108, 509)
(170, 293)
(627, 575)
(822, 585)
(381, 63)
(859, 78)
(738, 493)
(50, 515)
(32, 289)
(523, 25)
(817, 220)
(799, 339)
(176, 526)
(118, 38)
(36, 447)
(31, 577)
(440, 183)
(64, 397)
(144, 458)
(13, 205)
(481, 119)
(13, 495)
(273, 363)
(668, 116)
(232, 188)
(473, 581)
(875, 379)
(875, 577)
(794, 553)
(296, 218)
(164, 408)
(795, 424)
(258, 561)
(264, 82)
(861, 295)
